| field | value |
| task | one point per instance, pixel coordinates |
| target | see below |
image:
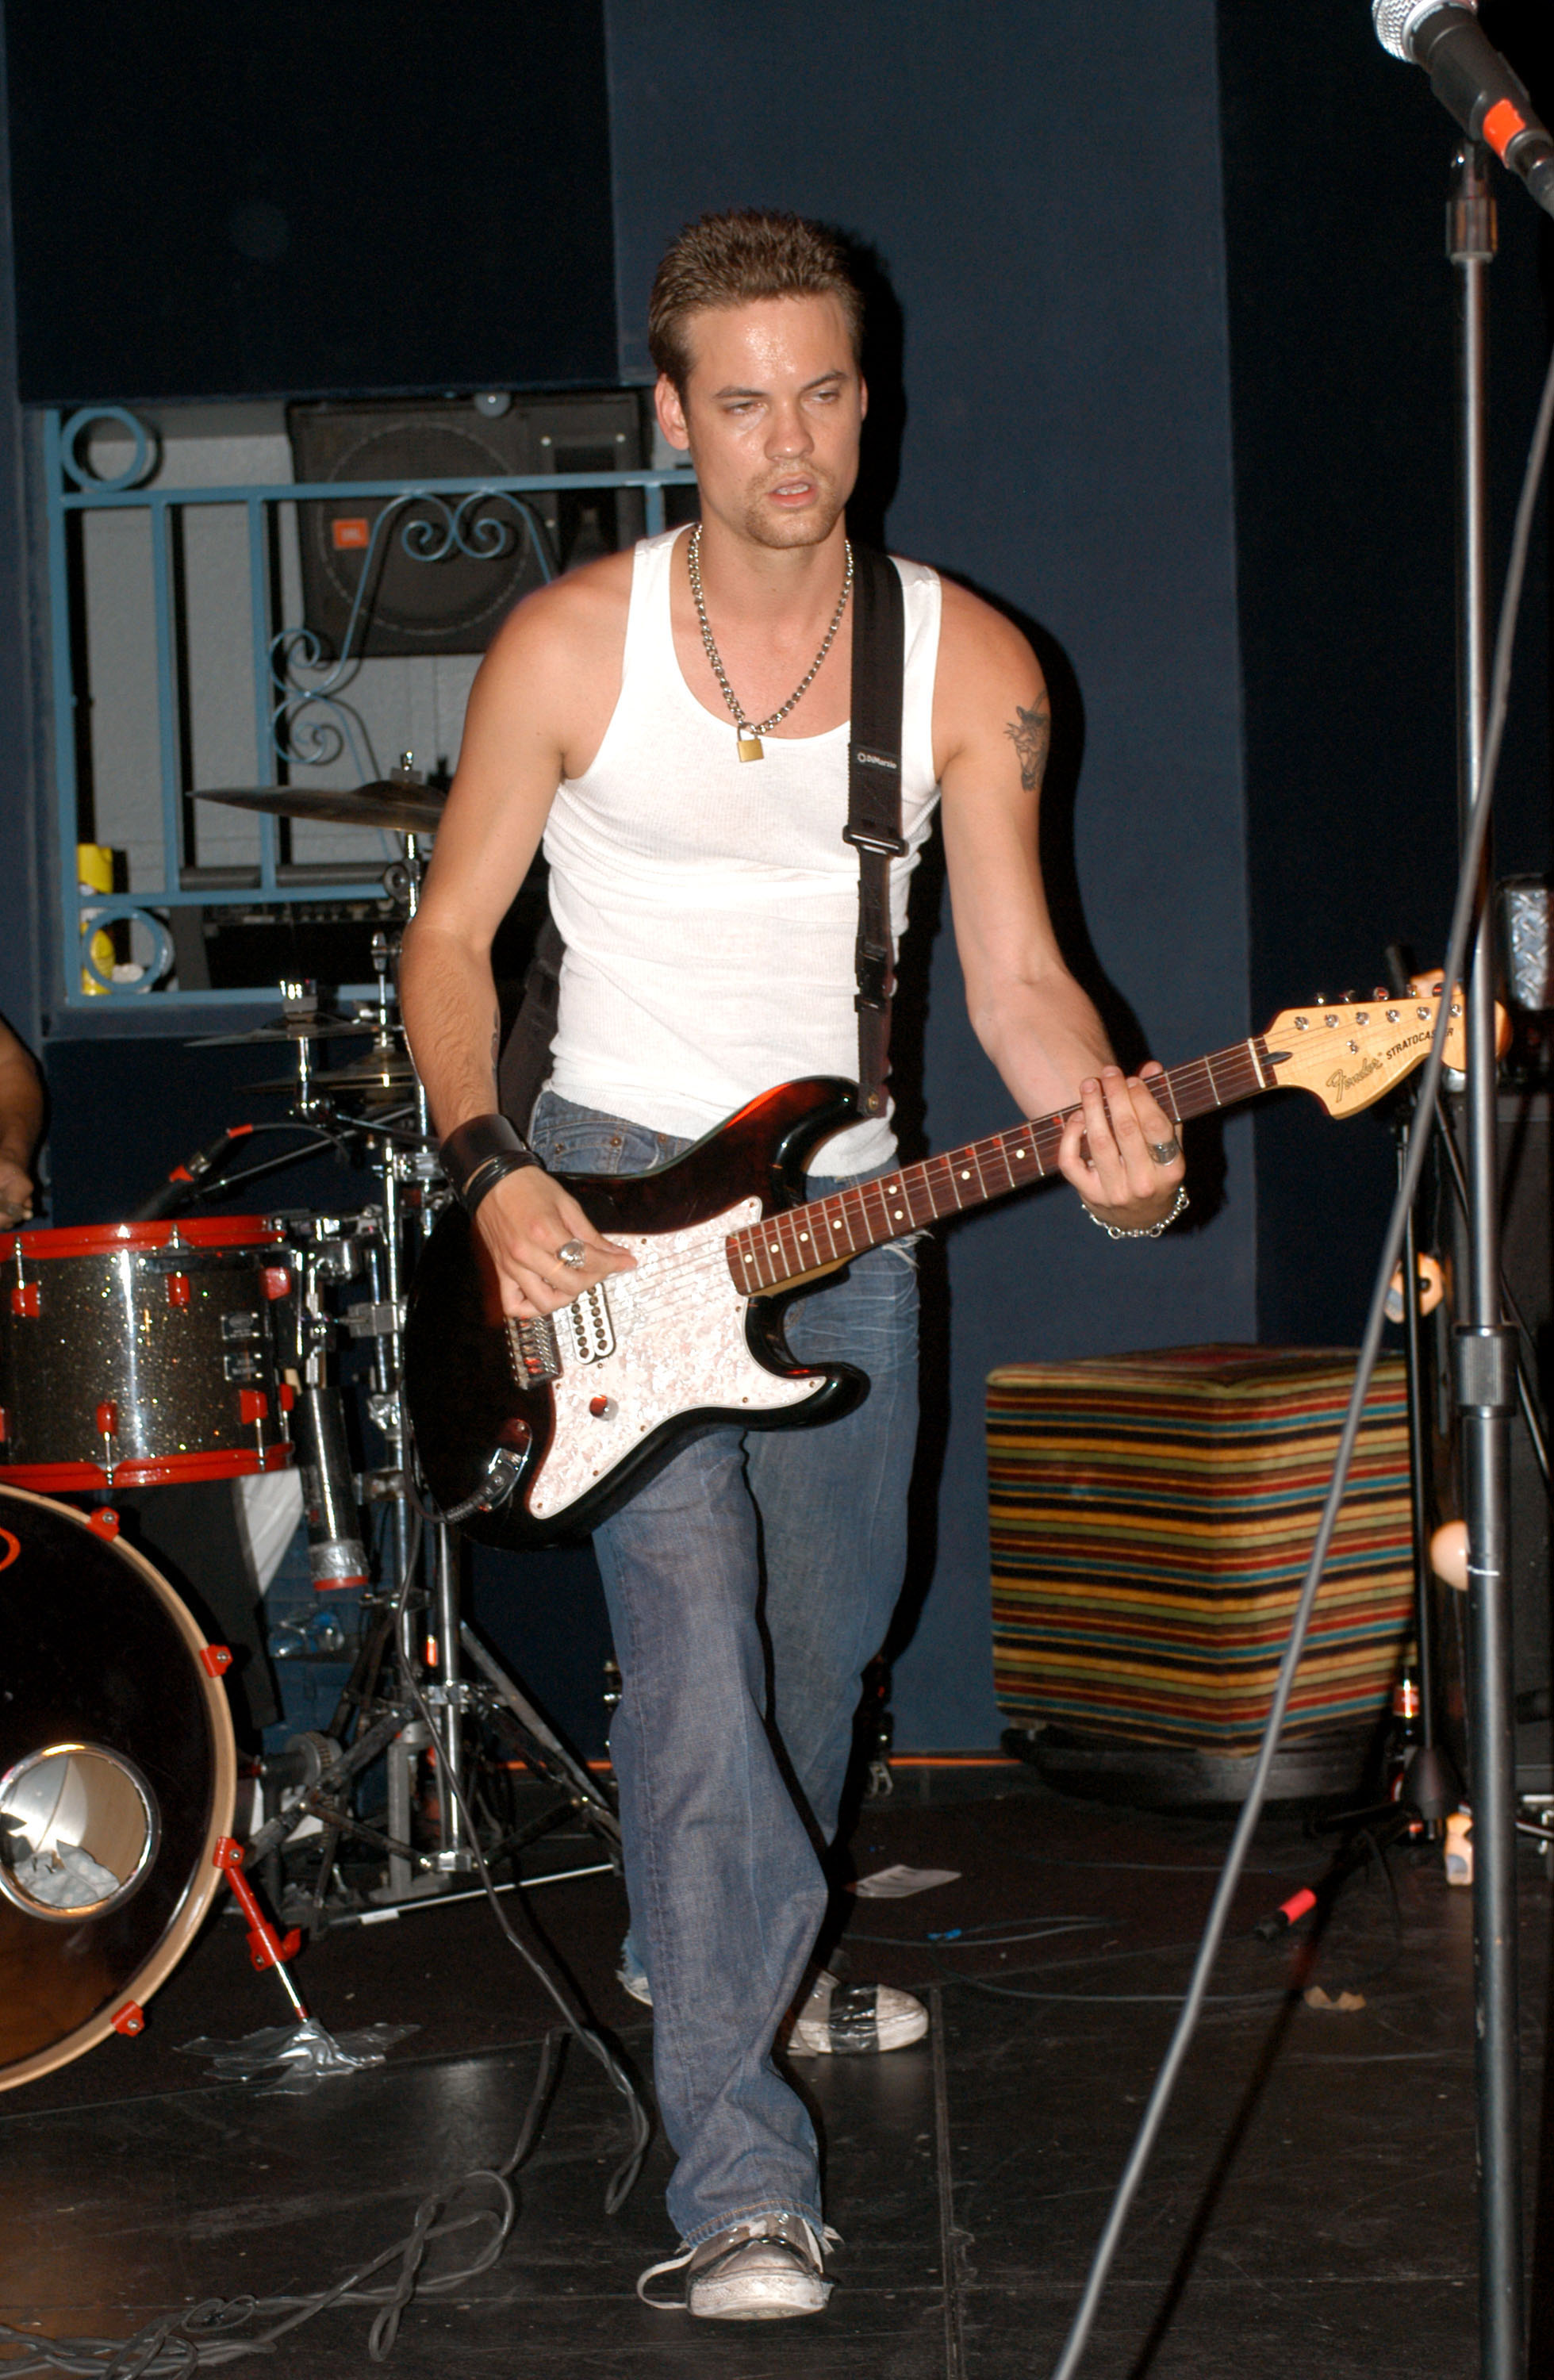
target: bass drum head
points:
(117, 1779)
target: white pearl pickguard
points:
(679, 1348)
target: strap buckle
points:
(886, 845)
(871, 966)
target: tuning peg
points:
(1381, 992)
(1348, 1000)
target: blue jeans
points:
(748, 1583)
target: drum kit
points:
(178, 1347)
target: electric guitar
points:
(528, 1431)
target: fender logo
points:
(1339, 1082)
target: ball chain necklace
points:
(749, 744)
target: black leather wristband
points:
(479, 1153)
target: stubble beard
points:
(786, 533)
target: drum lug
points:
(104, 1523)
(214, 1659)
(130, 2020)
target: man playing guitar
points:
(673, 723)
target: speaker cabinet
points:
(444, 572)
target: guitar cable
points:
(558, 1986)
(1475, 845)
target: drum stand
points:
(423, 1681)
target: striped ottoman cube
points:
(1152, 1516)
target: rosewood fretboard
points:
(802, 1239)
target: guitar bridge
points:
(533, 1351)
(593, 1328)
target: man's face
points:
(772, 412)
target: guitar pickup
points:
(533, 1350)
(593, 1328)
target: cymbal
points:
(369, 1075)
(388, 802)
(320, 1026)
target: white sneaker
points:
(836, 2019)
(765, 2270)
(632, 1980)
(851, 2020)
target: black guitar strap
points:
(874, 803)
(873, 827)
(525, 1054)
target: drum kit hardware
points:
(402, 804)
(185, 1347)
(380, 1073)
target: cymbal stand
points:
(440, 1679)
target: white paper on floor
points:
(897, 1883)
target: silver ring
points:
(573, 1253)
(1162, 1151)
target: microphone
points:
(184, 1183)
(1472, 82)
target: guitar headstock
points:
(1348, 1053)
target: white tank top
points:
(709, 905)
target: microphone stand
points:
(1485, 1369)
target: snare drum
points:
(142, 1355)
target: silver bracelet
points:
(1145, 1230)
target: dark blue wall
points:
(21, 990)
(1059, 268)
(1341, 307)
(271, 198)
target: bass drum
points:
(117, 1780)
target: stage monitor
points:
(285, 198)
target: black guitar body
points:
(569, 1449)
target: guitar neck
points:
(790, 1246)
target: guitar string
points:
(1241, 1067)
(996, 1152)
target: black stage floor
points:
(1310, 2209)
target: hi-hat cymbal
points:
(369, 1076)
(319, 1026)
(405, 809)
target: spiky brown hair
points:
(730, 259)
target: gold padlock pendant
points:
(751, 749)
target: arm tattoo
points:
(1030, 732)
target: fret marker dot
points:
(804, 1235)
(965, 1174)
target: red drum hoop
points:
(95, 1238)
(116, 1752)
